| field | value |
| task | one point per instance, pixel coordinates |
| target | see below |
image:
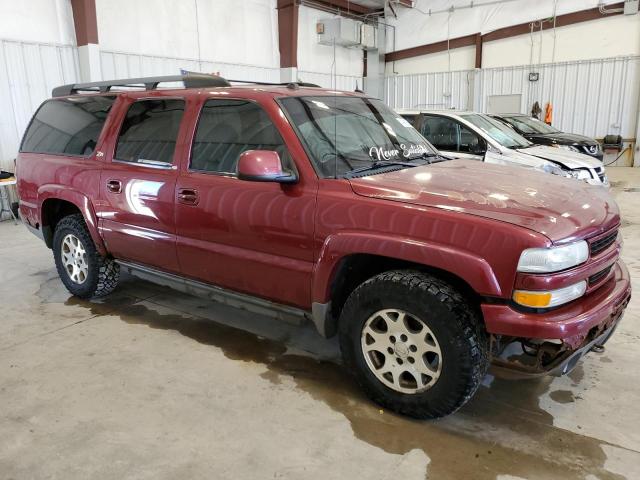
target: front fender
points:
(61, 192)
(473, 269)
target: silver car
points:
(477, 136)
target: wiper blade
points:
(379, 164)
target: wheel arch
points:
(349, 260)
(57, 202)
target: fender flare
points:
(81, 201)
(466, 265)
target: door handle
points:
(188, 196)
(114, 186)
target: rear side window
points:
(149, 132)
(68, 126)
(229, 127)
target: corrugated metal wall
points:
(327, 80)
(433, 91)
(28, 72)
(591, 97)
(129, 65)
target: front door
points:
(253, 237)
(452, 137)
(137, 216)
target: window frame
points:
(200, 107)
(169, 166)
(73, 155)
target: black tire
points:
(457, 327)
(103, 273)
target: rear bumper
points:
(572, 323)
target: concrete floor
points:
(150, 383)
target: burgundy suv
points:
(299, 201)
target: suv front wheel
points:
(414, 343)
(81, 268)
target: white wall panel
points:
(337, 82)
(128, 65)
(28, 73)
(593, 98)
(433, 91)
(230, 31)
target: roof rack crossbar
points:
(278, 84)
(148, 83)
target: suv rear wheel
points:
(82, 269)
(413, 343)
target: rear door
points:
(253, 237)
(138, 183)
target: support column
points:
(288, 39)
(86, 26)
(375, 66)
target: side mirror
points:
(263, 166)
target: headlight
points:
(580, 174)
(549, 299)
(554, 259)
(571, 148)
(553, 170)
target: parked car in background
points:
(476, 136)
(305, 202)
(540, 133)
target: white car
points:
(479, 137)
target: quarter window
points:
(229, 127)
(67, 126)
(149, 132)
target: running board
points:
(285, 313)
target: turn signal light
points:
(551, 298)
(532, 299)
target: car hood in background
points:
(567, 158)
(560, 208)
(561, 138)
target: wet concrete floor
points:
(151, 383)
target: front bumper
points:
(600, 309)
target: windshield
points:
(530, 125)
(343, 134)
(498, 131)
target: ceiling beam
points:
(346, 6)
(501, 33)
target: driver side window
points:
(448, 135)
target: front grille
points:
(596, 277)
(602, 243)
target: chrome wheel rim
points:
(401, 351)
(74, 259)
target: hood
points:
(561, 138)
(567, 158)
(560, 208)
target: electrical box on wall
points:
(345, 32)
(367, 36)
(631, 7)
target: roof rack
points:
(192, 80)
(148, 83)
